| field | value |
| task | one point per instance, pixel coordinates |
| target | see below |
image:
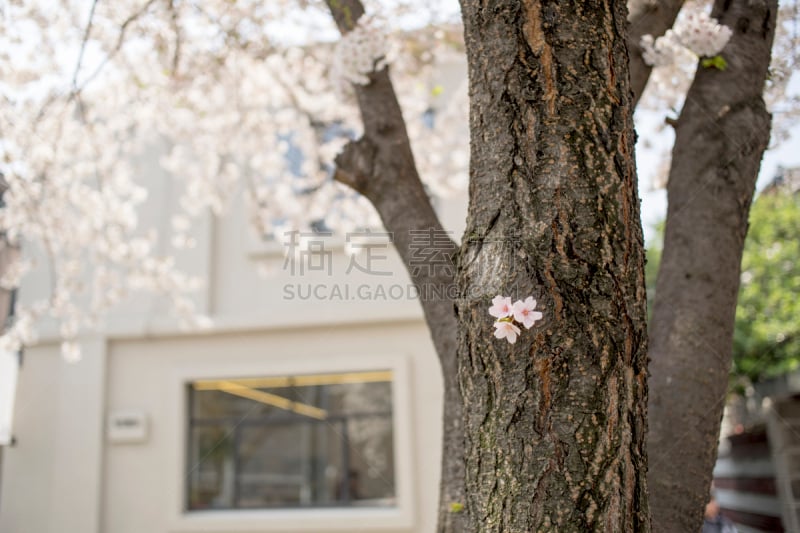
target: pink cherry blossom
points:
(501, 307)
(507, 330)
(524, 312)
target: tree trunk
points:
(555, 424)
(721, 135)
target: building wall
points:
(64, 476)
(51, 476)
(744, 482)
(144, 483)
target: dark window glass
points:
(291, 441)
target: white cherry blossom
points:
(506, 330)
(361, 51)
(525, 313)
(702, 35)
(501, 307)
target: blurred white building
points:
(312, 404)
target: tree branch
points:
(345, 13)
(381, 167)
(355, 164)
(117, 47)
(720, 137)
(86, 33)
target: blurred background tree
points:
(767, 335)
(767, 331)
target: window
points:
(322, 440)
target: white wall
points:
(51, 476)
(64, 476)
(144, 483)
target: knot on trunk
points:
(355, 165)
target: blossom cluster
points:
(661, 52)
(508, 315)
(696, 32)
(703, 35)
(361, 51)
(203, 103)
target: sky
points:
(655, 140)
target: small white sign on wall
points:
(127, 427)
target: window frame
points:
(237, 425)
(315, 519)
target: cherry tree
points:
(89, 87)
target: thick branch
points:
(655, 21)
(720, 137)
(381, 167)
(355, 165)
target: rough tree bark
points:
(380, 166)
(721, 134)
(555, 424)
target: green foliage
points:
(653, 260)
(767, 332)
(767, 335)
(718, 62)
